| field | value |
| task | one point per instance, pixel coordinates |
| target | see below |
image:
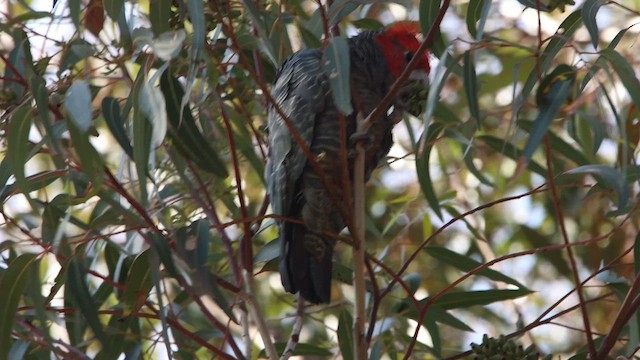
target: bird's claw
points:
(359, 137)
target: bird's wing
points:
(300, 91)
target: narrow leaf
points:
(139, 283)
(13, 283)
(111, 113)
(345, 334)
(114, 8)
(77, 102)
(18, 144)
(465, 299)
(589, 12)
(466, 264)
(478, 10)
(625, 72)
(335, 63)
(471, 86)
(185, 134)
(607, 177)
(423, 171)
(511, 151)
(80, 291)
(550, 99)
(159, 12)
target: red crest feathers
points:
(398, 44)
(404, 27)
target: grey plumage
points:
(302, 92)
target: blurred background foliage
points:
(134, 218)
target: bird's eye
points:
(408, 56)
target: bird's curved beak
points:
(420, 76)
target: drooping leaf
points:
(18, 144)
(589, 12)
(625, 72)
(335, 63)
(552, 94)
(465, 299)
(79, 289)
(184, 133)
(345, 334)
(302, 349)
(114, 8)
(608, 177)
(139, 283)
(423, 170)
(511, 151)
(466, 264)
(12, 283)
(111, 113)
(159, 13)
(77, 102)
(477, 11)
(564, 33)
(471, 86)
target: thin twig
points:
(359, 339)
(256, 313)
(565, 237)
(295, 330)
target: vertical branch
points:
(246, 251)
(565, 237)
(295, 331)
(359, 340)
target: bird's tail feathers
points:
(306, 263)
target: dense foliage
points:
(134, 215)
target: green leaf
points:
(340, 9)
(52, 217)
(428, 12)
(91, 161)
(478, 10)
(196, 16)
(422, 169)
(436, 313)
(163, 251)
(607, 177)
(77, 102)
(471, 86)
(508, 149)
(153, 107)
(466, 264)
(74, 10)
(111, 113)
(302, 349)
(589, 12)
(12, 283)
(552, 94)
(79, 289)
(563, 34)
(625, 72)
(268, 251)
(263, 38)
(368, 24)
(114, 8)
(18, 144)
(335, 63)
(139, 283)
(159, 13)
(465, 299)
(559, 146)
(184, 133)
(345, 334)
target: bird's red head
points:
(399, 44)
